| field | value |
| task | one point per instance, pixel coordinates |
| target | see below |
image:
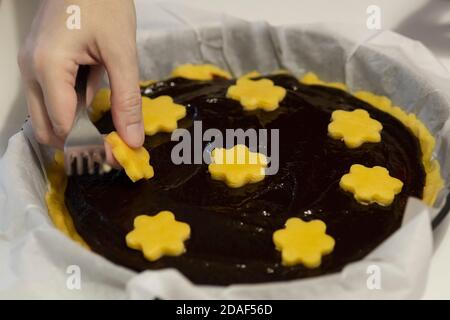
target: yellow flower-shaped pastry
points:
(161, 114)
(237, 166)
(257, 94)
(136, 162)
(159, 235)
(200, 72)
(100, 104)
(303, 242)
(354, 127)
(371, 185)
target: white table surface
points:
(425, 20)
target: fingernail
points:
(135, 134)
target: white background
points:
(425, 20)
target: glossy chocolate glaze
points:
(231, 239)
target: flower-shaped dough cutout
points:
(237, 166)
(200, 72)
(257, 94)
(354, 127)
(161, 114)
(136, 162)
(159, 235)
(100, 104)
(371, 185)
(303, 242)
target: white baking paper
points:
(38, 261)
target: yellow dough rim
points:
(57, 180)
(57, 210)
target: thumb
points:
(122, 69)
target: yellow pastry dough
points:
(136, 162)
(161, 114)
(371, 185)
(237, 166)
(303, 242)
(200, 72)
(257, 94)
(146, 83)
(250, 75)
(54, 198)
(100, 104)
(354, 127)
(159, 235)
(312, 79)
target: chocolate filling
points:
(231, 229)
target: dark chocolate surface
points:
(231, 229)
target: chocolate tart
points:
(232, 242)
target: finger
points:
(60, 98)
(40, 121)
(122, 69)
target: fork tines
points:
(79, 160)
(84, 146)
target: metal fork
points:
(84, 145)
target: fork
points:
(84, 146)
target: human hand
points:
(50, 57)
